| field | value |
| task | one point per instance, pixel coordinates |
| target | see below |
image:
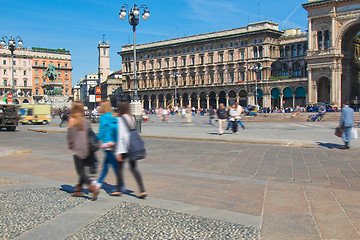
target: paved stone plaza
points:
(197, 189)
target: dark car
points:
(9, 116)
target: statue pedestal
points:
(53, 95)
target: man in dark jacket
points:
(64, 117)
(221, 112)
(346, 123)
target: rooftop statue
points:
(51, 73)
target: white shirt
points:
(123, 138)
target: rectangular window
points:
(36, 72)
(24, 63)
(159, 64)
(66, 74)
(44, 80)
(4, 62)
(4, 71)
(15, 83)
(36, 63)
(14, 72)
(211, 59)
(43, 64)
(144, 66)
(58, 65)
(152, 65)
(221, 58)
(14, 62)
(242, 76)
(242, 55)
(66, 82)
(193, 60)
(175, 63)
(66, 65)
(24, 73)
(167, 63)
(184, 62)
(36, 81)
(202, 60)
(59, 74)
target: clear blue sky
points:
(78, 25)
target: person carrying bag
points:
(129, 146)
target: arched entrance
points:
(194, 102)
(168, 100)
(203, 102)
(323, 90)
(288, 97)
(185, 98)
(26, 101)
(222, 97)
(153, 101)
(243, 98)
(275, 98)
(232, 97)
(260, 97)
(161, 101)
(146, 102)
(300, 96)
(212, 99)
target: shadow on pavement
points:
(330, 145)
(70, 189)
(111, 188)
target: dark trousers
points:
(135, 172)
(80, 169)
(63, 120)
(234, 126)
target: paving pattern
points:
(133, 221)
(4, 181)
(22, 210)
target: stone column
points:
(281, 100)
(207, 102)
(294, 99)
(173, 101)
(181, 101)
(227, 100)
(198, 100)
(237, 98)
(189, 100)
(150, 106)
(217, 102)
(157, 102)
(311, 98)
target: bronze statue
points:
(51, 73)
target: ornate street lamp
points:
(256, 68)
(133, 16)
(175, 76)
(11, 43)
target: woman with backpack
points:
(78, 142)
(126, 122)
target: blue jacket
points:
(108, 128)
(347, 117)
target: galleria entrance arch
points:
(333, 52)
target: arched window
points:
(242, 43)
(293, 50)
(282, 52)
(320, 40)
(284, 70)
(260, 51)
(299, 50)
(25, 83)
(297, 70)
(287, 50)
(231, 44)
(305, 48)
(255, 52)
(327, 39)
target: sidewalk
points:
(283, 133)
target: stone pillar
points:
(294, 99)
(227, 100)
(311, 91)
(198, 100)
(207, 102)
(217, 102)
(281, 100)
(189, 100)
(237, 98)
(181, 101)
(173, 101)
(150, 106)
(157, 102)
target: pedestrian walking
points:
(241, 110)
(233, 116)
(78, 142)
(64, 116)
(221, 113)
(346, 123)
(211, 115)
(188, 114)
(108, 137)
(126, 122)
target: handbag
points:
(354, 133)
(338, 132)
(136, 149)
(93, 142)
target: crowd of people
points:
(114, 137)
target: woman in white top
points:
(234, 116)
(125, 122)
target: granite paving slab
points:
(135, 221)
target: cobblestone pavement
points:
(22, 210)
(133, 221)
(288, 192)
(9, 181)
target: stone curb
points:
(297, 144)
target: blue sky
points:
(78, 25)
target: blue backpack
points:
(136, 149)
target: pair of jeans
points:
(234, 126)
(241, 124)
(80, 169)
(346, 135)
(134, 171)
(109, 160)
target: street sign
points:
(98, 98)
(98, 90)
(91, 98)
(10, 98)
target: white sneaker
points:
(97, 184)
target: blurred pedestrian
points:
(346, 123)
(126, 122)
(64, 116)
(108, 137)
(211, 115)
(233, 116)
(238, 119)
(78, 142)
(222, 117)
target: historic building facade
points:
(29, 66)
(296, 68)
(218, 68)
